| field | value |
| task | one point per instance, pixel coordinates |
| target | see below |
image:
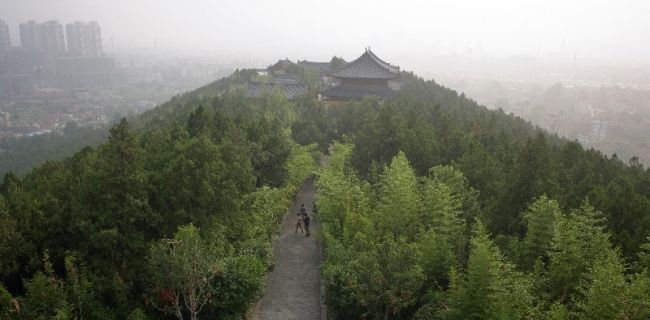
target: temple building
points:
(280, 77)
(366, 76)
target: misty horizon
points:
(409, 33)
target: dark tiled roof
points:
(281, 64)
(347, 91)
(284, 79)
(321, 66)
(290, 90)
(368, 66)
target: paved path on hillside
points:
(294, 288)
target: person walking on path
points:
(305, 220)
(293, 290)
(299, 224)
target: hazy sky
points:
(600, 31)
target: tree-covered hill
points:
(20, 155)
(507, 159)
(97, 235)
(432, 206)
(436, 208)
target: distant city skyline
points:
(77, 39)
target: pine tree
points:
(490, 288)
(443, 240)
(578, 239)
(539, 224)
(119, 210)
(603, 294)
(399, 200)
(470, 292)
(198, 122)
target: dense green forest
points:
(161, 221)
(431, 207)
(20, 155)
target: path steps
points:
(294, 287)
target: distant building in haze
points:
(84, 39)
(46, 37)
(598, 130)
(5, 38)
(29, 36)
(366, 76)
(43, 63)
(52, 38)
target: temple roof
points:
(368, 66)
(320, 66)
(281, 64)
(290, 90)
(347, 91)
(323, 67)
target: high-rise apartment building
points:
(30, 36)
(5, 38)
(84, 39)
(44, 37)
(52, 38)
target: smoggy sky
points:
(616, 32)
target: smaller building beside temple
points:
(279, 77)
(368, 75)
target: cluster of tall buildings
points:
(81, 39)
(53, 56)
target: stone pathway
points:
(294, 289)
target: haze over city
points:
(409, 32)
(514, 55)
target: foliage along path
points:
(293, 289)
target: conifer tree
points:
(443, 239)
(578, 239)
(399, 199)
(470, 292)
(604, 292)
(539, 224)
(490, 288)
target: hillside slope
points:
(216, 169)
